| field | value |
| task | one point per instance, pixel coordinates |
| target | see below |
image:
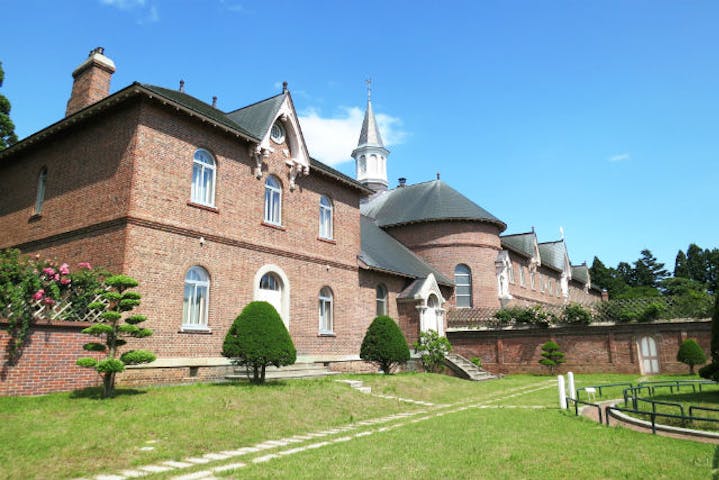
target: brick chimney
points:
(91, 81)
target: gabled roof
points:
(425, 202)
(382, 252)
(258, 117)
(521, 243)
(320, 167)
(580, 273)
(200, 107)
(554, 255)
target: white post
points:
(562, 393)
(572, 390)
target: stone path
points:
(217, 462)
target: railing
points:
(599, 388)
(578, 402)
(653, 416)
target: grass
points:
(68, 436)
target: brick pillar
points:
(91, 81)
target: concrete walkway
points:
(204, 467)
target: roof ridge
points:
(255, 103)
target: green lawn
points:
(512, 429)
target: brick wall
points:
(593, 349)
(444, 245)
(48, 361)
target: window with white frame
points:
(325, 310)
(381, 300)
(463, 286)
(522, 281)
(40, 194)
(325, 217)
(203, 178)
(532, 280)
(196, 299)
(511, 272)
(273, 201)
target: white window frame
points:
(465, 274)
(204, 178)
(277, 133)
(40, 193)
(381, 303)
(511, 273)
(522, 280)
(195, 313)
(326, 311)
(533, 280)
(273, 201)
(326, 217)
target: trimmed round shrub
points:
(576, 314)
(384, 344)
(258, 338)
(691, 354)
(552, 357)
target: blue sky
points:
(598, 117)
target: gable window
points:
(203, 178)
(277, 134)
(325, 310)
(463, 286)
(40, 194)
(325, 217)
(273, 201)
(381, 300)
(196, 299)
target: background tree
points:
(648, 272)
(680, 265)
(384, 344)
(118, 300)
(696, 263)
(432, 348)
(552, 357)
(691, 354)
(711, 371)
(7, 128)
(258, 338)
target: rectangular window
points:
(521, 276)
(511, 273)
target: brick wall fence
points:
(587, 349)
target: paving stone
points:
(265, 458)
(174, 464)
(230, 466)
(215, 456)
(155, 468)
(132, 473)
(197, 460)
(110, 477)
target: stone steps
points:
(467, 369)
(297, 370)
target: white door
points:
(649, 355)
(270, 291)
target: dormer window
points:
(278, 132)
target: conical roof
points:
(370, 131)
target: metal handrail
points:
(653, 416)
(605, 385)
(576, 406)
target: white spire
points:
(371, 155)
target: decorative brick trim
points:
(428, 246)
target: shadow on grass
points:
(95, 393)
(248, 384)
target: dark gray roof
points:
(369, 135)
(425, 202)
(580, 273)
(522, 243)
(318, 166)
(553, 254)
(200, 107)
(382, 252)
(258, 117)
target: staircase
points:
(466, 369)
(298, 370)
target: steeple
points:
(370, 155)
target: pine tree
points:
(691, 353)
(680, 265)
(648, 272)
(7, 128)
(552, 357)
(697, 263)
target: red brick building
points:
(210, 210)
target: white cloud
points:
(232, 6)
(621, 157)
(332, 139)
(148, 12)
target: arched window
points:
(381, 300)
(325, 310)
(203, 178)
(362, 165)
(462, 286)
(196, 299)
(273, 201)
(325, 217)
(40, 194)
